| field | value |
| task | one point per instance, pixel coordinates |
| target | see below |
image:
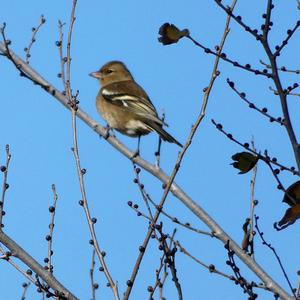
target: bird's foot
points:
(135, 154)
(108, 129)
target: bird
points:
(124, 104)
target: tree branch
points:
(21, 254)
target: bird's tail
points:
(162, 133)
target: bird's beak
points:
(96, 74)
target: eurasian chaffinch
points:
(125, 106)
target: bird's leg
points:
(137, 151)
(157, 153)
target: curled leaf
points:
(244, 161)
(246, 239)
(170, 34)
(292, 194)
(290, 217)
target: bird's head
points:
(113, 71)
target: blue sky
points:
(38, 130)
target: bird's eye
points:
(109, 71)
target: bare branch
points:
(7, 256)
(59, 44)
(283, 68)
(33, 38)
(263, 111)
(267, 25)
(239, 279)
(73, 103)
(25, 288)
(253, 203)
(238, 19)
(94, 285)
(142, 191)
(264, 242)
(21, 254)
(49, 238)
(290, 33)
(223, 56)
(5, 185)
(147, 198)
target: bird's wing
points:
(132, 97)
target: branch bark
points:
(21, 254)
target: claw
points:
(135, 154)
(107, 133)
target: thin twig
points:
(239, 279)
(294, 94)
(59, 44)
(288, 93)
(252, 204)
(238, 19)
(94, 285)
(139, 213)
(147, 199)
(283, 68)
(211, 267)
(68, 60)
(185, 225)
(177, 221)
(266, 26)
(5, 185)
(33, 38)
(160, 282)
(170, 259)
(8, 53)
(223, 56)
(263, 111)
(163, 280)
(7, 256)
(290, 33)
(142, 190)
(52, 210)
(275, 254)
(80, 172)
(275, 173)
(25, 286)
